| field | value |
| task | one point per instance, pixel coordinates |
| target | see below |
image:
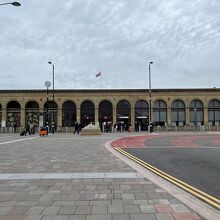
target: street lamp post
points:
(150, 96)
(47, 84)
(53, 92)
(11, 3)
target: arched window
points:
(196, 113)
(160, 113)
(50, 108)
(0, 115)
(123, 112)
(13, 114)
(214, 112)
(68, 114)
(105, 115)
(141, 115)
(87, 113)
(178, 113)
(32, 113)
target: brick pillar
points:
(132, 118)
(60, 117)
(206, 116)
(96, 115)
(22, 119)
(78, 116)
(4, 115)
(187, 116)
(169, 116)
(114, 116)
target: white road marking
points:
(18, 140)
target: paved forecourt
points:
(63, 176)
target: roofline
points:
(109, 90)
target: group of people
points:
(29, 128)
(121, 126)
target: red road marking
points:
(185, 140)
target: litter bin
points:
(43, 131)
(151, 128)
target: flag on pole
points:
(98, 74)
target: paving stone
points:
(147, 209)
(18, 210)
(12, 217)
(142, 217)
(120, 217)
(154, 196)
(179, 208)
(77, 217)
(99, 210)
(63, 203)
(51, 210)
(128, 196)
(99, 217)
(115, 209)
(122, 202)
(186, 216)
(4, 210)
(164, 208)
(80, 210)
(141, 202)
(33, 217)
(67, 210)
(81, 202)
(164, 216)
(131, 209)
(35, 210)
(55, 217)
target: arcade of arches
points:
(128, 107)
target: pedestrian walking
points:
(76, 128)
(15, 126)
(28, 128)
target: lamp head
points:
(151, 62)
(16, 3)
(50, 62)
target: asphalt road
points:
(194, 159)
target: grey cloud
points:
(117, 37)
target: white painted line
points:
(189, 200)
(39, 176)
(18, 140)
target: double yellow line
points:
(198, 193)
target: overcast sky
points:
(116, 37)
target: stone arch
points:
(123, 112)
(105, 115)
(178, 112)
(196, 109)
(87, 113)
(50, 113)
(68, 113)
(141, 115)
(0, 115)
(32, 113)
(214, 112)
(13, 113)
(160, 112)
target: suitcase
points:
(22, 133)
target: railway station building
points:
(171, 109)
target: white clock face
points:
(47, 83)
